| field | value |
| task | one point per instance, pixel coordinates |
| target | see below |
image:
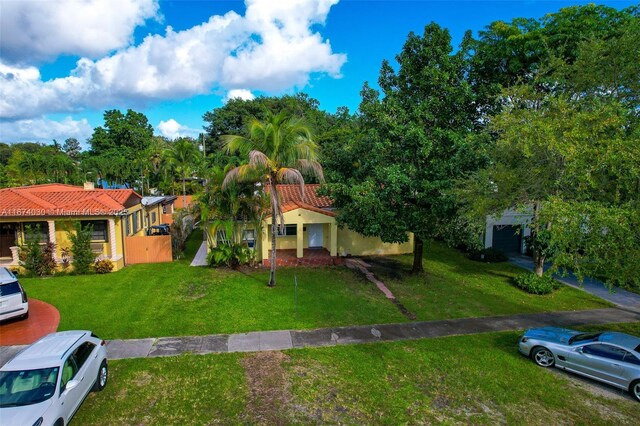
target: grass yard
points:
(453, 286)
(174, 299)
(478, 379)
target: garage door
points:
(507, 238)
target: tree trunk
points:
(417, 255)
(538, 258)
(538, 263)
(272, 274)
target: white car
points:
(46, 383)
(13, 298)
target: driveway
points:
(620, 297)
(43, 319)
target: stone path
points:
(200, 258)
(291, 339)
(617, 296)
(362, 266)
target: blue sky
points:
(63, 63)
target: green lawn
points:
(478, 379)
(174, 299)
(453, 286)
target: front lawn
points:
(452, 286)
(174, 299)
(478, 379)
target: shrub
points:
(231, 255)
(533, 284)
(489, 255)
(103, 266)
(34, 258)
(83, 257)
(65, 254)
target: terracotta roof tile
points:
(292, 193)
(63, 200)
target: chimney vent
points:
(89, 186)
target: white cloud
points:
(38, 30)
(45, 130)
(172, 129)
(243, 94)
(272, 48)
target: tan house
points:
(311, 234)
(47, 212)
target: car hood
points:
(25, 414)
(551, 334)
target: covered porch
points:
(309, 238)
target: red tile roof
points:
(291, 199)
(64, 200)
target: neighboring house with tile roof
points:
(311, 230)
(47, 212)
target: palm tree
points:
(183, 156)
(280, 149)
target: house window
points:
(289, 230)
(153, 217)
(100, 229)
(136, 221)
(36, 232)
(249, 237)
(127, 223)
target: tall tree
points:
(412, 145)
(129, 133)
(183, 156)
(71, 147)
(280, 148)
(567, 148)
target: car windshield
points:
(27, 387)
(9, 288)
(584, 337)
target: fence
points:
(149, 249)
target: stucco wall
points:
(354, 244)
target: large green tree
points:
(183, 156)
(412, 143)
(279, 150)
(567, 150)
(130, 133)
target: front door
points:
(315, 235)
(7, 238)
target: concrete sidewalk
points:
(291, 339)
(617, 296)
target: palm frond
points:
(238, 174)
(311, 167)
(258, 159)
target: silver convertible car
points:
(609, 357)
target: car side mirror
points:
(71, 384)
(579, 350)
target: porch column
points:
(300, 240)
(333, 241)
(52, 237)
(112, 239)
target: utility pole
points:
(204, 146)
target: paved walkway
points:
(290, 339)
(201, 256)
(617, 296)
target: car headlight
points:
(524, 339)
(38, 422)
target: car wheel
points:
(634, 390)
(543, 357)
(103, 377)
